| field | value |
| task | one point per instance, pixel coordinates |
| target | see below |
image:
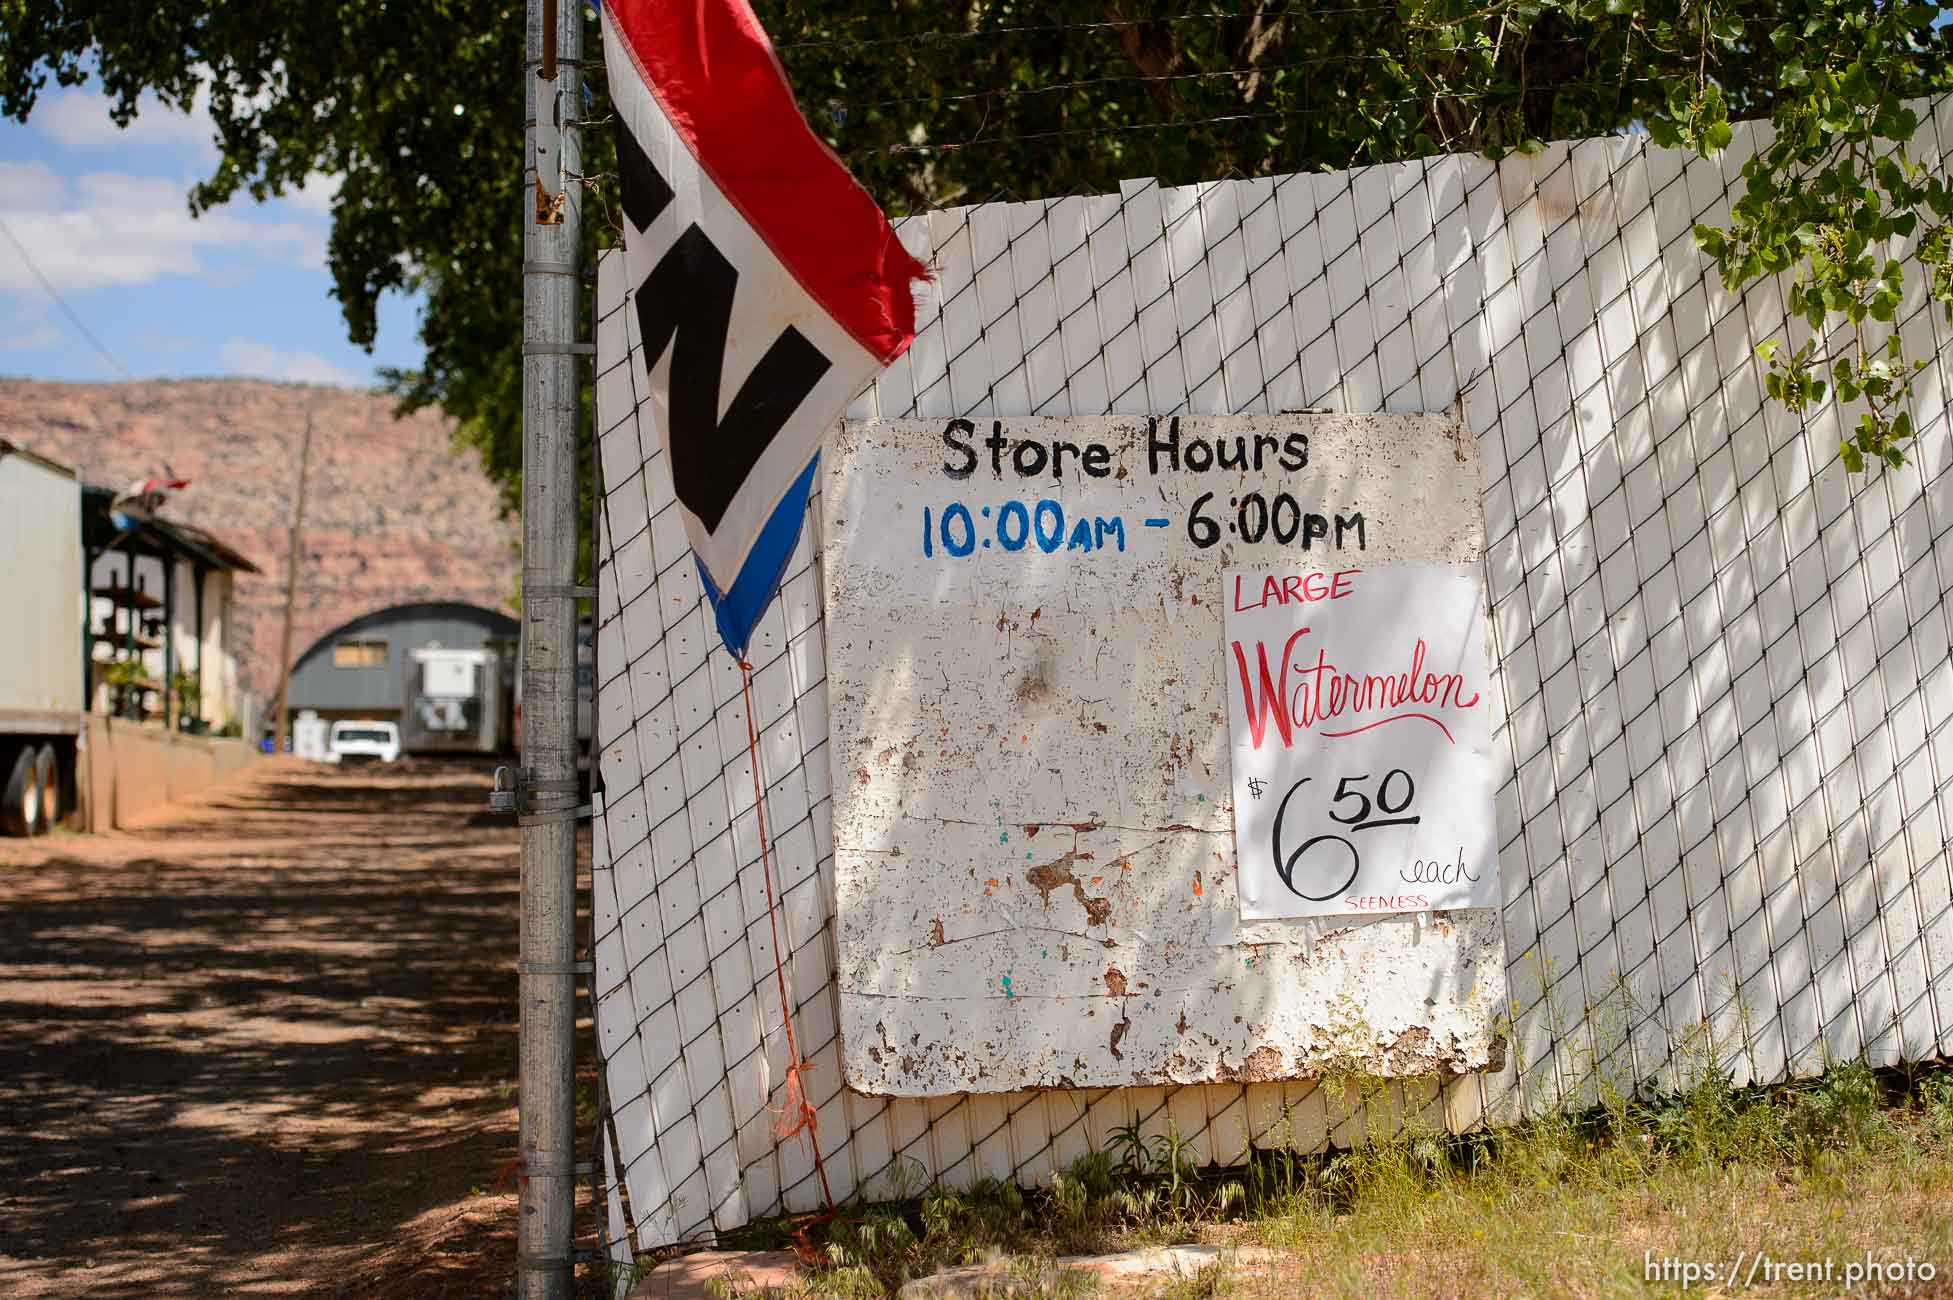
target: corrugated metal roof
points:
(162, 537)
(9, 448)
(203, 545)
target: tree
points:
(417, 108)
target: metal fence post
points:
(547, 790)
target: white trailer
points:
(41, 666)
(453, 702)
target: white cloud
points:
(315, 197)
(78, 118)
(41, 336)
(114, 228)
(263, 361)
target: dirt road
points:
(267, 1048)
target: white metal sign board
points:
(1034, 818)
(1357, 702)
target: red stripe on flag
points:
(713, 71)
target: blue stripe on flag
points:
(738, 610)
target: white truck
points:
(363, 738)
(42, 694)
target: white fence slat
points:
(1164, 376)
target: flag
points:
(768, 287)
(141, 500)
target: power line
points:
(61, 302)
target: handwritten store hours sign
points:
(1034, 806)
(1039, 519)
(1360, 742)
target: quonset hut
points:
(443, 671)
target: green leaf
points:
(1768, 348)
(366, 90)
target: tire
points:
(20, 801)
(48, 768)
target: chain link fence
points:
(1721, 662)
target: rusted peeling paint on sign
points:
(1033, 823)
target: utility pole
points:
(546, 786)
(291, 593)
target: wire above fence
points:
(1344, 110)
(936, 36)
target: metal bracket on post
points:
(580, 812)
(547, 108)
(576, 1169)
(541, 1264)
(554, 968)
(511, 792)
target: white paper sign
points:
(1358, 719)
(1027, 733)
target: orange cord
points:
(796, 1115)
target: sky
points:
(103, 214)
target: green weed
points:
(1472, 1197)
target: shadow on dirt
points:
(259, 1047)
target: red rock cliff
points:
(393, 512)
